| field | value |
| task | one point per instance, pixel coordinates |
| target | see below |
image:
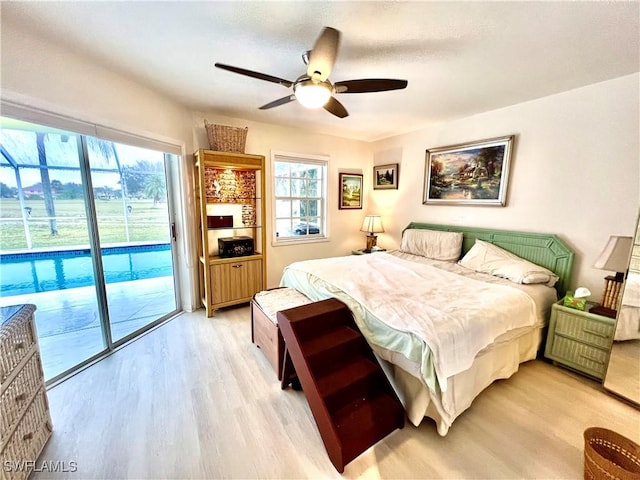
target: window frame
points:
(316, 160)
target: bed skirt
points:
(498, 361)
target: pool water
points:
(26, 273)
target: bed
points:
(628, 322)
(443, 331)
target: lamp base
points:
(612, 288)
(372, 240)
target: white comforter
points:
(449, 316)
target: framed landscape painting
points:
(350, 191)
(385, 176)
(474, 173)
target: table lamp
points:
(371, 224)
(614, 257)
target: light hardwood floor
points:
(195, 398)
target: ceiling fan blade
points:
(336, 108)
(324, 54)
(369, 85)
(258, 75)
(277, 103)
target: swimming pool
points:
(29, 272)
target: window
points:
(299, 186)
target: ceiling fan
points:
(313, 88)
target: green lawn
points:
(145, 223)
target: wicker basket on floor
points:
(223, 138)
(608, 456)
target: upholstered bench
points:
(264, 324)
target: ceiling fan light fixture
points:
(312, 94)
(313, 89)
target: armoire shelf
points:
(226, 183)
(236, 228)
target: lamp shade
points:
(372, 224)
(615, 256)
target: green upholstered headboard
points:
(542, 249)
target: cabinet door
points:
(221, 291)
(235, 281)
(247, 277)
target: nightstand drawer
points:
(588, 359)
(17, 395)
(17, 338)
(592, 331)
(28, 439)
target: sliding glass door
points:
(134, 229)
(85, 235)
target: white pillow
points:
(432, 244)
(488, 258)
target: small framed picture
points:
(350, 191)
(385, 176)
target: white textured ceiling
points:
(460, 58)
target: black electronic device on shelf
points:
(235, 247)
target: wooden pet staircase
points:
(352, 401)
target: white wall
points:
(575, 171)
(345, 155)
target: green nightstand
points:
(579, 340)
